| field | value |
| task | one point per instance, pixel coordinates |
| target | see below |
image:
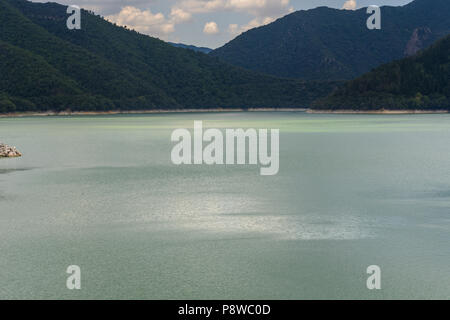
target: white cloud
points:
(105, 7)
(349, 5)
(137, 15)
(254, 7)
(234, 29)
(264, 11)
(143, 21)
(179, 15)
(211, 28)
(200, 6)
(154, 24)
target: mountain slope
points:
(325, 43)
(418, 82)
(93, 74)
(190, 47)
(107, 67)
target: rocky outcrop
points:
(8, 152)
(416, 42)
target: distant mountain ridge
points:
(191, 47)
(418, 82)
(44, 66)
(332, 44)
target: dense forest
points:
(44, 66)
(325, 43)
(418, 82)
(190, 47)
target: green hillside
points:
(191, 47)
(418, 82)
(325, 43)
(104, 67)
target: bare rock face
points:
(8, 152)
(416, 42)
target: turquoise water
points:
(101, 192)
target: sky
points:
(206, 23)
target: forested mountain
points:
(45, 66)
(418, 82)
(325, 43)
(190, 47)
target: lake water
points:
(101, 193)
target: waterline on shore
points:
(218, 110)
(93, 113)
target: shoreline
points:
(116, 112)
(216, 110)
(382, 111)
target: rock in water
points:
(8, 152)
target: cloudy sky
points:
(209, 23)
